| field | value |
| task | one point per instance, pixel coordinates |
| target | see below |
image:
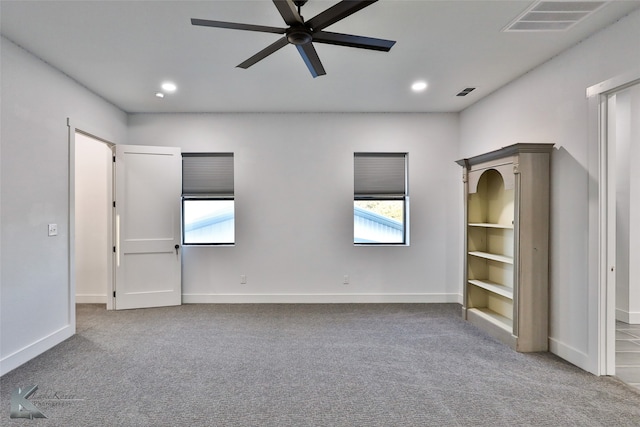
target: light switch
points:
(53, 229)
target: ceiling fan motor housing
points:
(299, 35)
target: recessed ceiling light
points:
(159, 95)
(169, 87)
(419, 86)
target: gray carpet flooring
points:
(305, 365)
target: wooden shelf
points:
(494, 287)
(494, 257)
(490, 225)
(493, 318)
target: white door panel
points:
(148, 188)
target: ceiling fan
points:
(303, 33)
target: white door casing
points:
(148, 185)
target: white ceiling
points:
(123, 50)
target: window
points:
(380, 198)
(208, 214)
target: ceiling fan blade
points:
(236, 26)
(311, 58)
(353, 41)
(289, 12)
(337, 12)
(279, 44)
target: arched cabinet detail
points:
(506, 268)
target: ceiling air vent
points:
(466, 91)
(553, 15)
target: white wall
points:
(549, 104)
(294, 206)
(622, 175)
(93, 199)
(35, 281)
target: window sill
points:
(208, 245)
(387, 245)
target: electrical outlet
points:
(243, 279)
(346, 280)
(53, 229)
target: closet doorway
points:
(93, 220)
(623, 212)
(614, 276)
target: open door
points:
(147, 226)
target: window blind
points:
(380, 174)
(207, 174)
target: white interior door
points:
(147, 226)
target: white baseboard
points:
(317, 298)
(17, 358)
(91, 298)
(630, 317)
(460, 299)
(570, 354)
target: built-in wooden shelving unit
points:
(505, 288)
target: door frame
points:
(106, 138)
(602, 239)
